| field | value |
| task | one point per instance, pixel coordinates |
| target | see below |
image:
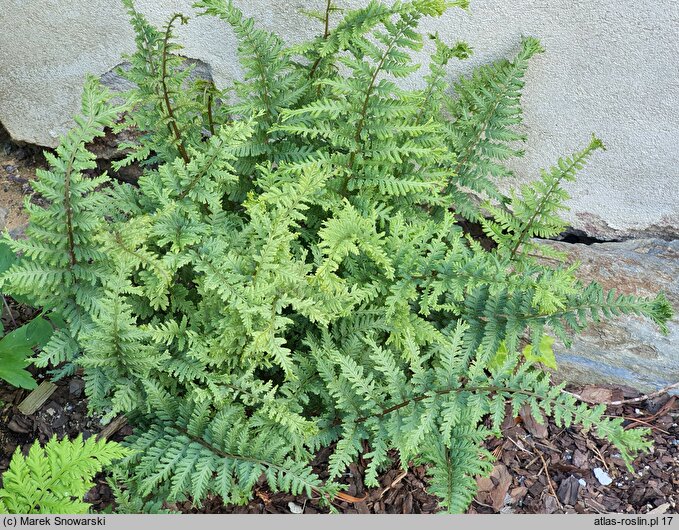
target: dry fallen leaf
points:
(538, 430)
(597, 394)
(493, 489)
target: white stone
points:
(603, 477)
(610, 69)
(295, 508)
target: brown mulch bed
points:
(17, 168)
(529, 455)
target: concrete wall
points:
(611, 68)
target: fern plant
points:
(289, 272)
(55, 478)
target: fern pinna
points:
(289, 272)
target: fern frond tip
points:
(596, 143)
(531, 46)
(661, 311)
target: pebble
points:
(295, 508)
(603, 477)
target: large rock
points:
(4, 213)
(627, 350)
(608, 69)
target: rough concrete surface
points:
(627, 350)
(610, 68)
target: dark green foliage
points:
(62, 263)
(289, 272)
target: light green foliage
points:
(536, 212)
(55, 478)
(289, 272)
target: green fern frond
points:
(484, 116)
(55, 478)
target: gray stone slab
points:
(628, 350)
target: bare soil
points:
(17, 168)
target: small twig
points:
(521, 447)
(393, 483)
(112, 428)
(531, 462)
(549, 479)
(636, 420)
(9, 311)
(624, 401)
(535, 442)
(483, 504)
(646, 421)
(598, 454)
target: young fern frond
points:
(63, 264)
(165, 105)
(536, 212)
(435, 91)
(270, 85)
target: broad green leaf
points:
(7, 257)
(35, 334)
(500, 357)
(545, 353)
(12, 367)
(57, 320)
(38, 332)
(17, 347)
